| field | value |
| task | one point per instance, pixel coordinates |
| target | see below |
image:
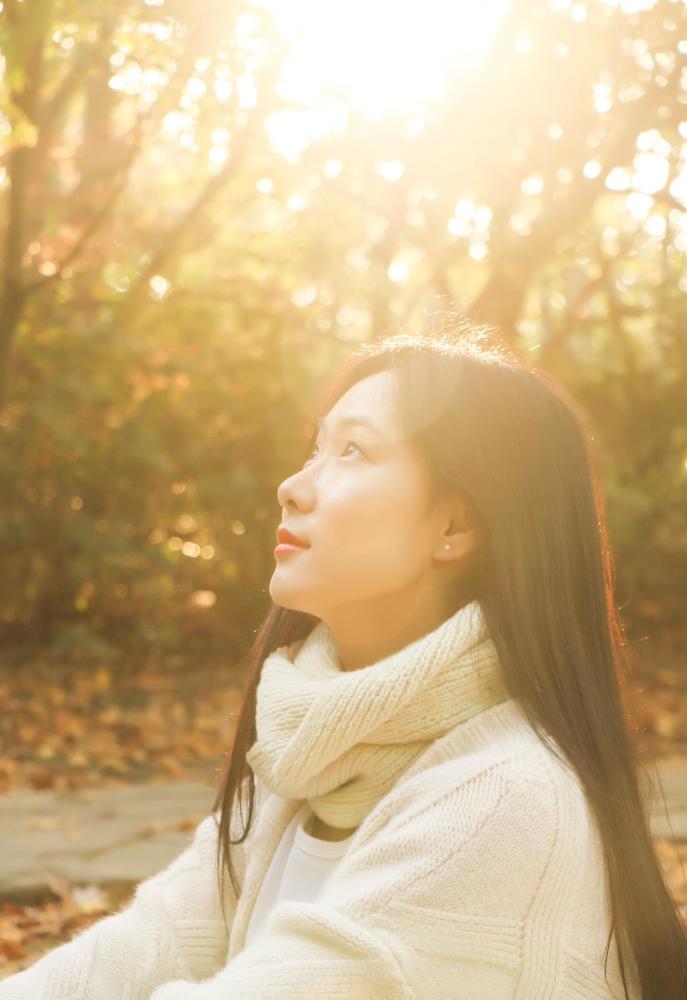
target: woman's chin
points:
(286, 595)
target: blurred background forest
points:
(205, 207)
(194, 232)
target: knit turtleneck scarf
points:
(341, 739)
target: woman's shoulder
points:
(498, 742)
(492, 776)
(491, 830)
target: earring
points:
(447, 545)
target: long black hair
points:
(519, 449)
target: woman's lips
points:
(284, 547)
(287, 537)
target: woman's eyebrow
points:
(360, 421)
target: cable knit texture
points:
(342, 739)
(476, 871)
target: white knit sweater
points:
(479, 876)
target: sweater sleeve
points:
(432, 900)
(172, 927)
(308, 950)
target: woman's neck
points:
(316, 828)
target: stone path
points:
(102, 836)
(123, 835)
(673, 777)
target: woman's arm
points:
(447, 898)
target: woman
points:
(443, 796)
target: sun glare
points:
(381, 55)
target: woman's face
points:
(361, 503)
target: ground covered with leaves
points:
(65, 728)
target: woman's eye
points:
(348, 443)
(355, 445)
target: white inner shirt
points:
(299, 868)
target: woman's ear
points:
(457, 532)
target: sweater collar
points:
(342, 739)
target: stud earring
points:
(446, 545)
